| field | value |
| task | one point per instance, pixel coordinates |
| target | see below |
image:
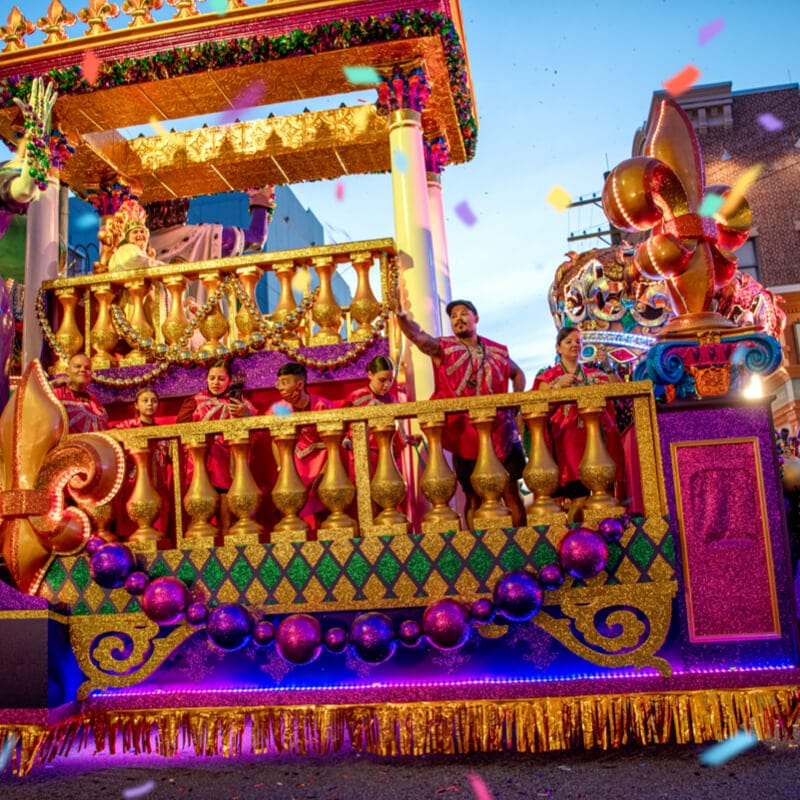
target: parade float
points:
(393, 628)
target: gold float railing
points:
(148, 308)
(372, 503)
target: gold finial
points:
(55, 21)
(14, 30)
(140, 10)
(96, 14)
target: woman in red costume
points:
(145, 405)
(216, 402)
(567, 434)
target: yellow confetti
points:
(747, 179)
(158, 127)
(559, 198)
(301, 282)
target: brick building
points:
(731, 140)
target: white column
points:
(41, 264)
(412, 225)
(441, 259)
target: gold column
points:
(364, 307)
(245, 323)
(100, 516)
(103, 336)
(200, 500)
(68, 334)
(541, 472)
(144, 504)
(289, 493)
(244, 496)
(438, 482)
(137, 289)
(284, 272)
(335, 489)
(175, 324)
(597, 469)
(387, 488)
(326, 312)
(489, 477)
(214, 326)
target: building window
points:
(748, 258)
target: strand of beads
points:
(37, 148)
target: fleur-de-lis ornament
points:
(38, 464)
(662, 191)
(15, 30)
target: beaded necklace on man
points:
(472, 383)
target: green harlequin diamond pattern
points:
(241, 573)
(56, 575)
(388, 568)
(270, 573)
(543, 554)
(298, 572)
(419, 566)
(450, 564)
(81, 575)
(187, 573)
(641, 550)
(480, 561)
(212, 574)
(512, 557)
(328, 571)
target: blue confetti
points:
(281, 409)
(719, 753)
(220, 7)
(86, 222)
(362, 75)
(138, 791)
(711, 204)
(8, 748)
(399, 161)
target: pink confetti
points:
(339, 190)
(710, 30)
(479, 787)
(90, 67)
(769, 122)
(682, 81)
(252, 96)
(465, 213)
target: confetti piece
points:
(301, 282)
(465, 213)
(399, 161)
(724, 751)
(85, 222)
(559, 198)
(711, 204)
(710, 30)
(252, 96)
(158, 127)
(682, 81)
(748, 178)
(90, 67)
(366, 75)
(220, 7)
(479, 787)
(769, 122)
(338, 190)
(8, 748)
(281, 410)
(138, 791)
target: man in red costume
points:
(468, 365)
(309, 452)
(85, 411)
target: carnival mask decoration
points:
(39, 464)
(662, 191)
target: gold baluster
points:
(326, 312)
(597, 469)
(245, 322)
(100, 516)
(438, 482)
(214, 326)
(365, 307)
(541, 472)
(489, 477)
(244, 496)
(103, 336)
(200, 500)
(285, 272)
(289, 493)
(68, 335)
(388, 489)
(175, 324)
(137, 290)
(144, 504)
(335, 489)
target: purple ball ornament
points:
(263, 632)
(611, 528)
(136, 583)
(446, 624)
(482, 610)
(93, 545)
(299, 639)
(551, 577)
(111, 564)
(196, 614)
(372, 637)
(583, 553)
(409, 632)
(518, 596)
(229, 626)
(336, 639)
(165, 599)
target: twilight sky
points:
(560, 89)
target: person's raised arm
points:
(517, 377)
(413, 332)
